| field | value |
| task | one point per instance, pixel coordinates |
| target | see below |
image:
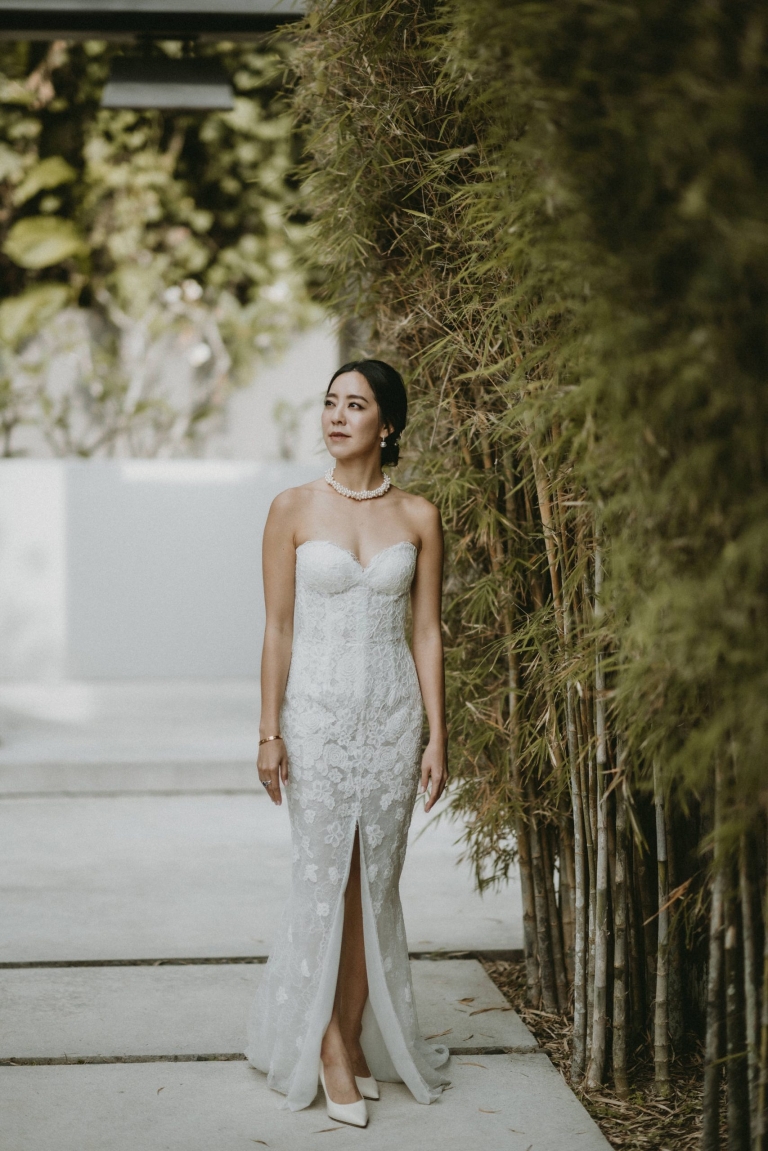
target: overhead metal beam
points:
(155, 19)
(191, 85)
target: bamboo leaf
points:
(49, 173)
(41, 241)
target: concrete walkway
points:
(141, 876)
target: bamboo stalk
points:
(578, 1052)
(752, 1021)
(636, 943)
(592, 789)
(736, 1055)
(543, 941)
(661, 1010)
(592, 869)
(761, 1141)
(545, 510)
(532, 978)
(530, 950)
(675, 981)
(555, 927)
(648, 907)
(600, 1009)
(568, 892)
(585, 771)
(587, 742)
(583, 768)
(457, 423)
(710, 1111)
(596, 1066)
(582, 869)
(620, 996)
(610, 825)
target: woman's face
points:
(351, 420)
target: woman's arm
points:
(278, 562)
(426, 601)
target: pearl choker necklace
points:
(364, 495)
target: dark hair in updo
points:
(388, 388)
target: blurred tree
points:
(128, 239)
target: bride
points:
(341, 722)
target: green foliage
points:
(20, 316)
(555, 217)
(412, 229)
(114, 208)
(642, 125)
(48, 174)
(41, 241)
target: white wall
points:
(33, 627)
(152, 568)
(251, 426)
(296, 383)
(134, 568)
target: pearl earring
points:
(383, 443)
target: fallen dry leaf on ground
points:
(482, 1010)
(644, 1123)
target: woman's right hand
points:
(272, 764)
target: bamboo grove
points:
(554, 218)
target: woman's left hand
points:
(434, 772)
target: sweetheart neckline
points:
(352, 554)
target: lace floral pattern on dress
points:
(352, 721)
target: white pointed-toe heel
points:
(355, 1113)
(367, 1086)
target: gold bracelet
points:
(268, 738)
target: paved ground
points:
(149, 837)
(496, 1103)
(193, 1009)
(197, 875)
(131, 832)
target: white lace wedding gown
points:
(351, 720)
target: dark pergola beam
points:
(156, 19)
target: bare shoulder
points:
(422, 514)
(295, 499)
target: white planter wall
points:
(134, 568)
